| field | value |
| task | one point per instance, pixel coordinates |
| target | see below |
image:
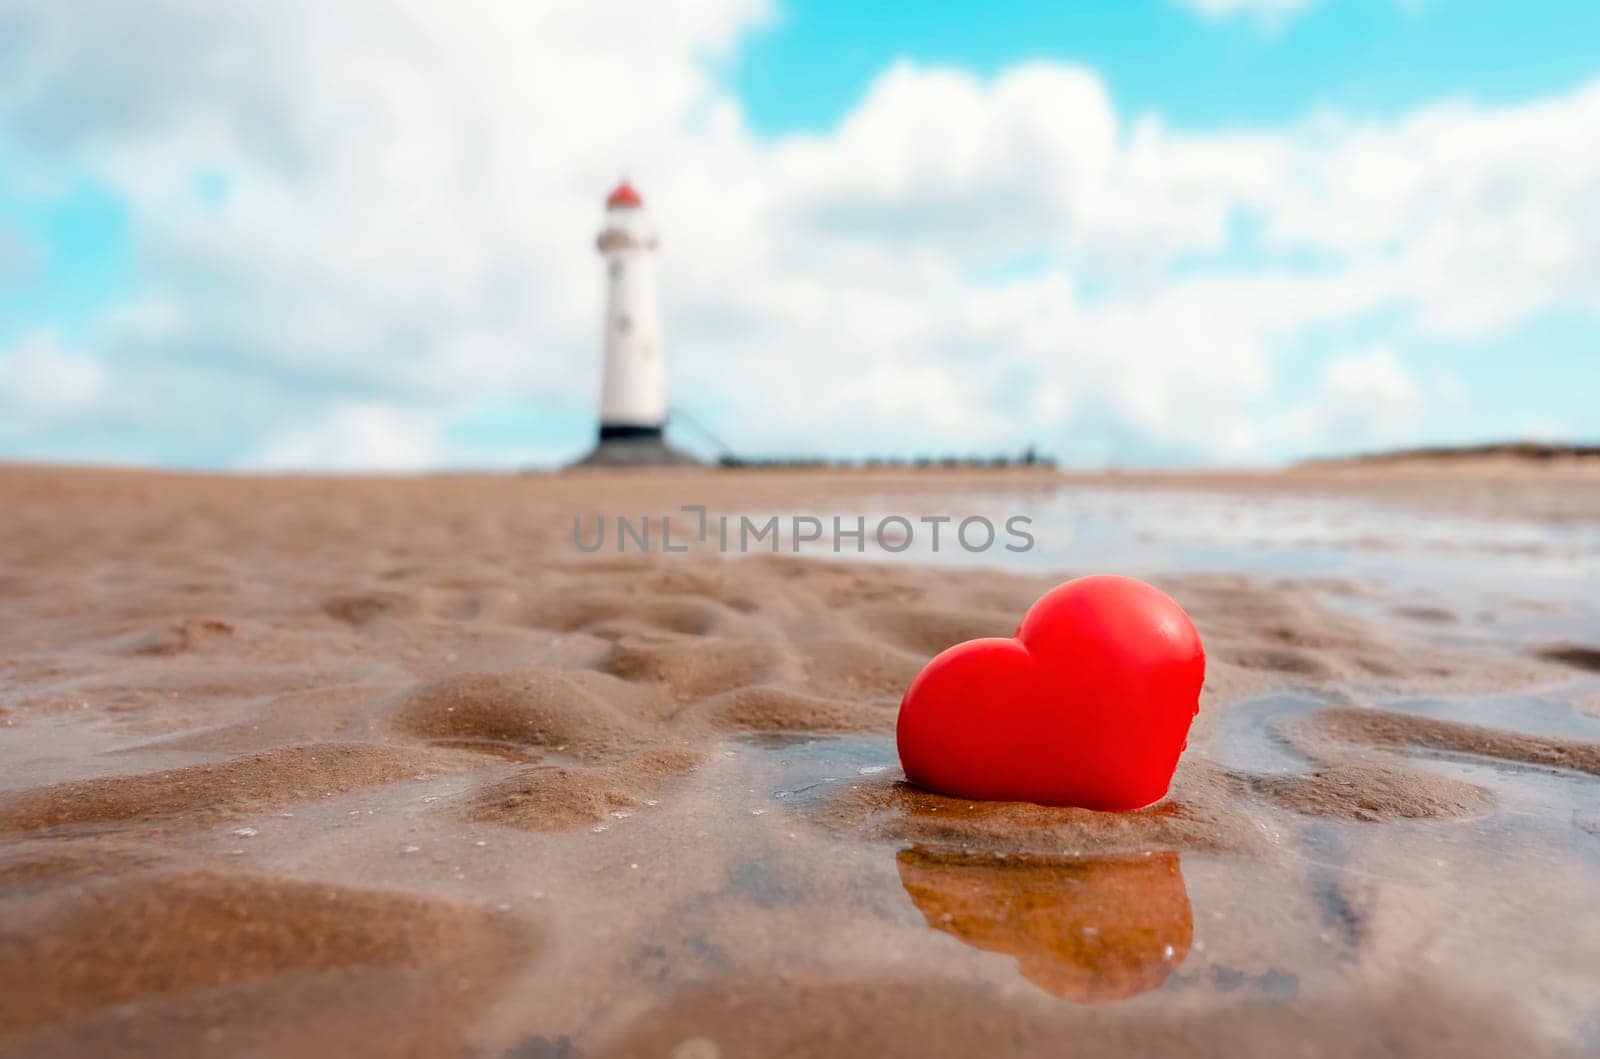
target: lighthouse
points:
(633, 381)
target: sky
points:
(295, 235)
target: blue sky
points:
(72, 257)
(1369, 57)
(1174, 231)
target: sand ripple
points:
(197, 794)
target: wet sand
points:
(366, 766)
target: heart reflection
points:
(1088, 929)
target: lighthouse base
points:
(623, 445)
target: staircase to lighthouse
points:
(633, 384)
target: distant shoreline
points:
(1496, 456)
(1517, 450)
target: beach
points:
(300, 765)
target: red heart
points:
(1089, 705)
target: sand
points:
(387, 766)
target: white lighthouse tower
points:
(633, 386)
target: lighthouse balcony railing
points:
(614, 239)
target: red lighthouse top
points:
(623, 196)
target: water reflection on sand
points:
(1087, 929)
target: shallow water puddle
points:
(1497, 901)
(763, 857)
(1089, 929)
(745, 863)
(1145, 531)
(1302, 918)
(1541, 714)
(1454, 578)
(1086, 929)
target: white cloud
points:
(409, 198)
(358, 437)
(41, 382)
(1365, 400)
(1264, 9)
